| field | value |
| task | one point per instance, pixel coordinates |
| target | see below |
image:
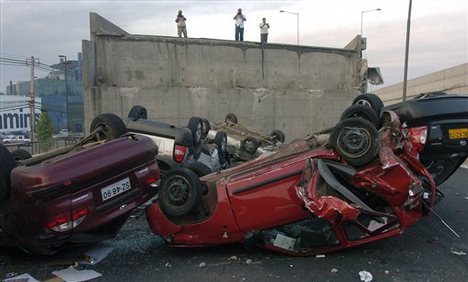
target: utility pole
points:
(405, 74)
(32, 113)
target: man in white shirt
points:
(264, 26)
(240, 19)
(181, 27)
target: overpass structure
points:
(298, 89)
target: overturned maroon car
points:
(306, 198)
(81, 194)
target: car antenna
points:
(443, 221)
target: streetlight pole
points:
(65, 62)
(362, 16)
(405, 74)
(297, 15)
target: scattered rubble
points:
(248, 261)
(72, 274)
(460, 253)
(365, 276)
(202, 264)
(334, 270)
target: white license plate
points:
(115, 189)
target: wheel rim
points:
(249, 145)
(178, 191)
(364, 102)
(354, 142)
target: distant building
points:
(54, 95)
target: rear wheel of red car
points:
(137, 112)
(230, 118)
(7, 164)
(370, 100)
(356, 141)
(110, 125)
(277, 136)
(21, 155)
(363, 112)
(181, 192)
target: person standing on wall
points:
(181, 27)
(240, 19)
(264, 26)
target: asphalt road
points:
(423, 253)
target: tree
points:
(44, 130)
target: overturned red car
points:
(308, 197)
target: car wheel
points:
(180, 192)
(277, 136)
(223, 155)
(370, 100)
(361, 111)
(112, 127)
(199, 168)
(196, 127)
(230, 118)
(356, 141)
(21, 155)
(137, 112)
(250, 145)
(206, 127)
(6, 166)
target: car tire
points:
(361, 111)
(21, 155)
(250, 145)
(180, 193)
(370, 100)
(221, 142)
(112, 127)
(193, 125)
(138, 112)
(7, 164)
(356, 141)
(231, 118)
(206, 128)
(277, 136)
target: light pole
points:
(65, 62)
(366, 11)
(297, 15)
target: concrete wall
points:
(297, 89)
(453, 80)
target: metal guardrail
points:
(35, 148)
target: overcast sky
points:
(439, 28)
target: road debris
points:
(72, 274)
(387, 272)
(248, 261)
(291, 265)
(460, 253)
(19, 278)
(202, 264)
(168, 264)
(365, 276)
(95, 255)
(334, 270)
(320, 256)
(233, 258)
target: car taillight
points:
(66, 221)
(179, 153)
(418, 137)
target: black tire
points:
(112, 127)
(356, 141)
(277, 136)
(7, 164)
(21, 155)
(180, 193)
(206, 127)
(370, 100)
(230, 118)
(137, 112)
(223, 155)
(195, 124)
(250, 145)
(361, 111)
(199, 168)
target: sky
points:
(46, 29)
